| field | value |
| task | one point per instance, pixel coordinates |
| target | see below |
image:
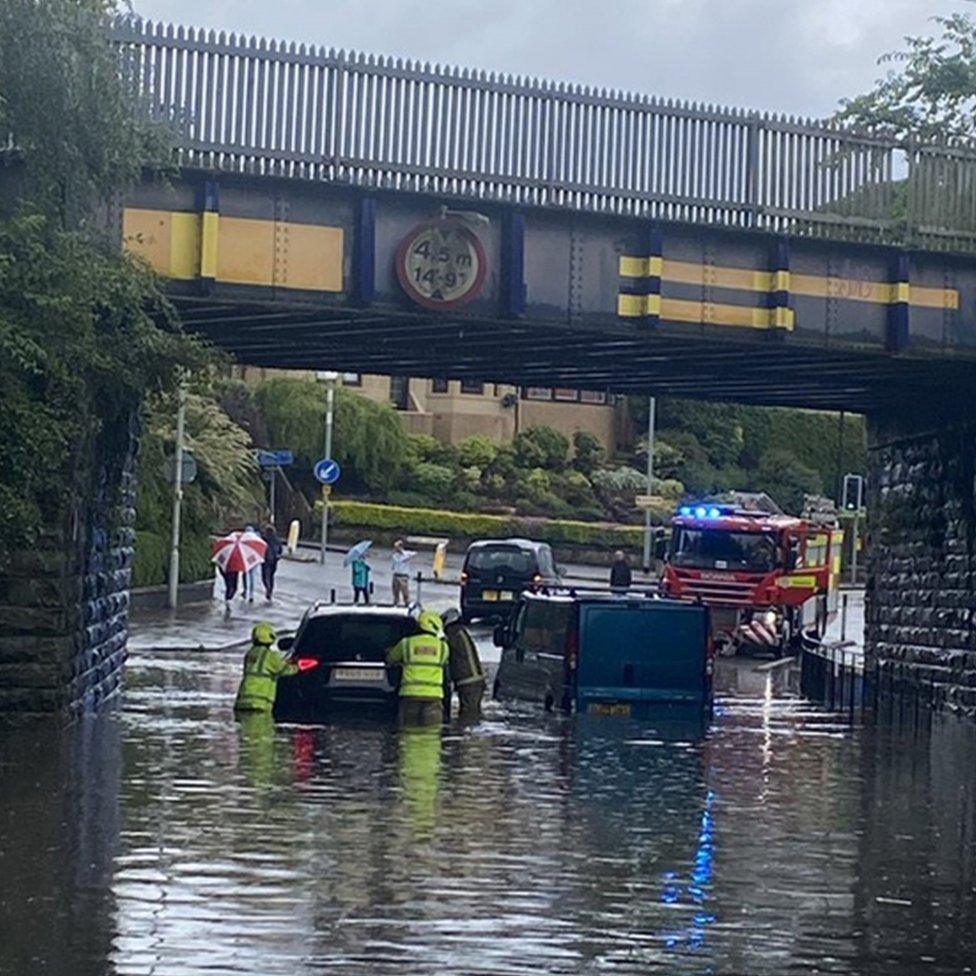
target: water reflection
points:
(170, 839)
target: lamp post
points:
(330, 378)
(174, 552)
(650, 477)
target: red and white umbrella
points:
(239, 552)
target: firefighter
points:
(465, 669)
(423, 658)
(264, 664)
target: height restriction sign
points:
(441, 264)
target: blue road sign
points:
(327, 471)
(275, 459)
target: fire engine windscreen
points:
(751, 552)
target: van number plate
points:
(358, 674)
(608, 708)
(492, 595)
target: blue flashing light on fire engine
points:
(684, 510)
(713, 512)
(700, 511)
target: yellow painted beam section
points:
(169, 242)
(236, 250)
(811, 286)
(717, 313)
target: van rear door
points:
(642, 651)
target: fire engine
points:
(767, 577)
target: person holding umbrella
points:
(239, 552)
(361, 570)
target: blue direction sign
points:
(327, 471)
(275, 459)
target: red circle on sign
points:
(429, 298)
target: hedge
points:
(150, 566)
(462, 525)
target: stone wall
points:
(921, 590)
(65, 603)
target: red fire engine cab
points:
(766, 577)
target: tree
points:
(929, 92)
(84, 331)
(369, 441)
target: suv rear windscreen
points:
(542, 625)
(350, 637)
(501, 558)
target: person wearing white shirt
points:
(400, 567)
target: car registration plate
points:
(608, 708)
(358, 674)
(492, 596)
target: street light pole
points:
(330, 379)
(650, 477)
(174, 553)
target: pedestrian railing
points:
(247, 105)
(834, 676)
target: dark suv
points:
(341, 655)
(497, 571)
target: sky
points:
(793, 56)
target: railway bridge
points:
(346, 211)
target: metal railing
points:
(265, 107)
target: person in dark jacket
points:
(620, 574)
(270, 565)
(465, 671)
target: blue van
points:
(605, 653)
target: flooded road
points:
(164, 838)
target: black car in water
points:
(340, 651)
(497, 571)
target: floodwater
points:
(163, 838)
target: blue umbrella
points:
(357, 552)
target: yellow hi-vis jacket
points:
(263, 666)
(423, 657)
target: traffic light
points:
(853, 496)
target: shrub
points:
(477, 452)
(541, 447)
(619, 481)
(465, 525)
(424, 448)
(435, 481)
(588, 453)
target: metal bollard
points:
(332, 595)
(420, 580)
(843, 617)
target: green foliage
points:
(462, 526)
(433, 481)
(477, 452)
(786, 480)
(422, 448)
(76, 126)
(369, 441)
(588, 453)
(541, 447)
(929, 90)
(151, 564)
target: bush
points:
(434, 481)
(619, 481)
(541, 447)
(465, 525)
(588, 453)
(150, 566)
(477, 452)
(424, 448)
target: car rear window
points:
(543, 624)
(341, 637)
(493, 558)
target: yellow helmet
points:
(430, 623)
(264, 633)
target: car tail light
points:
(307, 663)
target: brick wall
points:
(921, 595)
(65, 603)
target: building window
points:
(470, 386)
(352, 379)
(536, 393)
(400, 392)
(439, 386)
(565, 396)
(592, 396)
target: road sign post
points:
(330, 378)
(174, 553)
